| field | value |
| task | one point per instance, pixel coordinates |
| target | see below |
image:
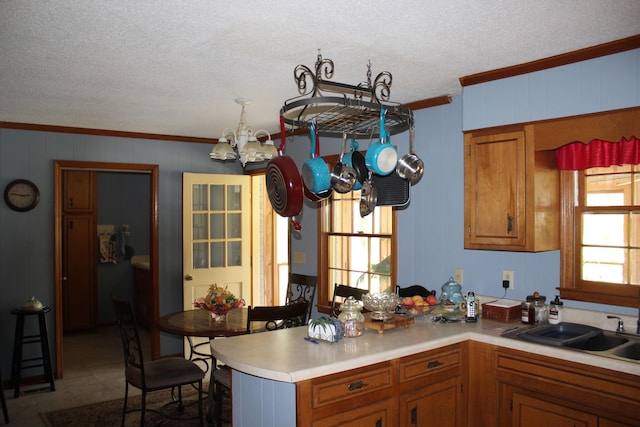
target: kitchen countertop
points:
(284, 355)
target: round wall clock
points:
(21, 195)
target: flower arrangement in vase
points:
(219, 301)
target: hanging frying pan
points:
(284, 184)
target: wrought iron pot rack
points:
(354, 110)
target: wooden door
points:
(438, 404)
(529, 411)
(79, 257)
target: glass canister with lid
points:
(539, 306)
(351, 318)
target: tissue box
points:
(325, 329)
(502, 310)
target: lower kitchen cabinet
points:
(536, 390)
(434, 405)
(377, 414)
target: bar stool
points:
(20, 340)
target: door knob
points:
(188, 277)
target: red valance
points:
(578, 156)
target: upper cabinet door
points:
(511, 192)
(79, 190)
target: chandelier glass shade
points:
(243, 143)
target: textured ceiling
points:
(175, 67)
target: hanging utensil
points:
(368, 197)
(284, 184)
(382, 157)
(316, 177)
(343, 176)
(410, 166)
(357, 162)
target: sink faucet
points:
(620, 323)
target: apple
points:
(432, 300)
(408, 301)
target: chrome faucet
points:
(620, 323)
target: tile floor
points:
(93, 372)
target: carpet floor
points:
(109, 413)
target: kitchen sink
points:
(631, 351)
(577, 337)
(562, 334)
(602, 342)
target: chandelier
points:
(243, 143)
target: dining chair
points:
(161, 374)
(302, 288)
(343, 292)
(412, 290)
(274, 317)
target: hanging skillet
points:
(284, 184)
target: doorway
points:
(153, 172)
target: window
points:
(354, 250)
(601, 239)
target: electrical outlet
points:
(457, 276)
(507, 276)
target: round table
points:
(199, 323)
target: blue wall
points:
(430, 229)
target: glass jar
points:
(539, 306)
(351, 318)
(528, 313)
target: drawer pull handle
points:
(509, 223)
(357, 385)
(434, 364)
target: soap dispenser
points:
(555, 311)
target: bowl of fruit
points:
(418, 304)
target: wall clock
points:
(21, 195)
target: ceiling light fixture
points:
(243, 143)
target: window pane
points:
(634, 270)
(234, 254)
(634, 230)
(217, 254)
(217, 197)
(199, 226)
(217, 226)
(199, 197)
(604, 229)
(603, 264)
(234, 198)
(200, 255)
(608, 190)
(234, 221)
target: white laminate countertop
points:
(284, 355)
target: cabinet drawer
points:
(425, 364)
(336, 388)
(381, 414)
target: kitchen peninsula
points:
(282, 380)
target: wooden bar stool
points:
(21, 339)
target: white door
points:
(216, 217)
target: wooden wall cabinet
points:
(79, 189)
(511, 191)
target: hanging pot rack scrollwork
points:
(339, 108)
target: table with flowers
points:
(218, 314)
